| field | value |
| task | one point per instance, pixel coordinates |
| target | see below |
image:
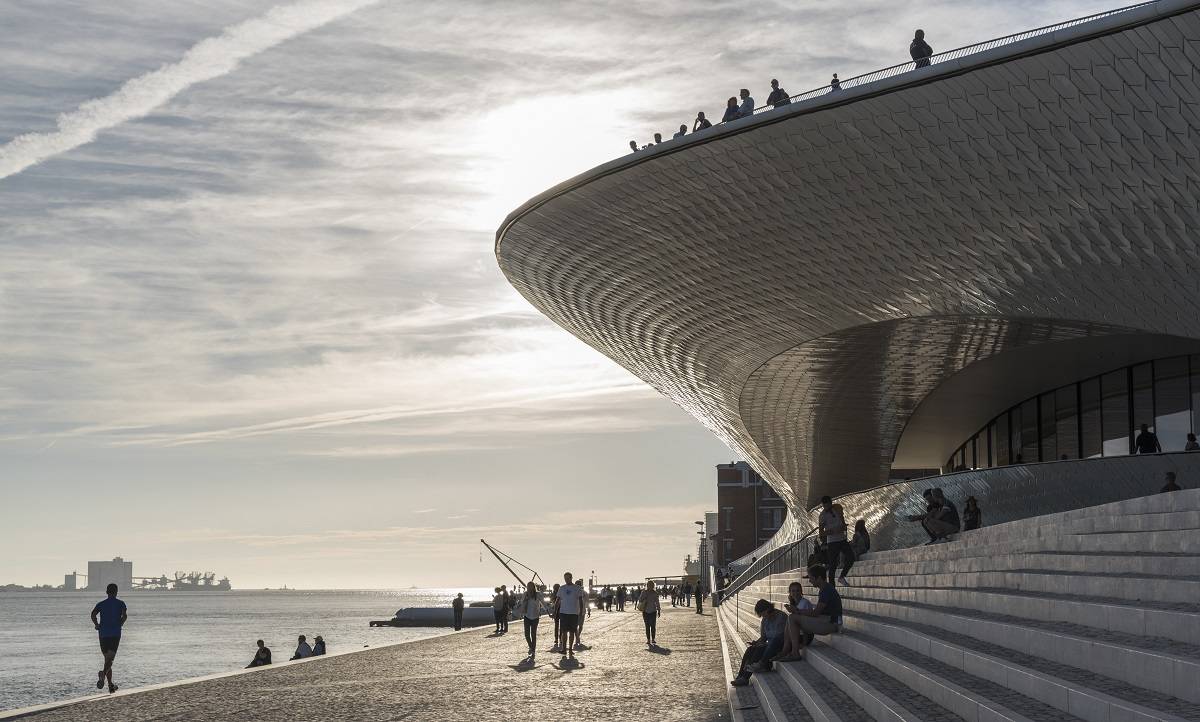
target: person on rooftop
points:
(682, 132)
(1147, 441)
(834, 83)
(920, 50)
(731, 111)
(634, 146)
(657, 138)
(778, 97)
(747, 106)
(701, 122)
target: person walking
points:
(569, 604)
(262, 656)
(109, 617)
(622, 594)
(303, 651)
(920, 50)
(651, 610)
(554, 613)
(1147, 442)
(585, 611)
(778, 97)
(458, 604)
(832, 524)
(530, 608)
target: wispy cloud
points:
(208, 59)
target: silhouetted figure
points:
(458, 604)
(508, 607)
(498, 610)
(262, 656)
(651, 610)
(758, 655)
(861, 544)
(634, 146)
(530, 608)
(1147, 442)
(832, 528)
(1170, 485)
(972, 514)
(1191, 444)
(657, 138)
(701, 122)
(302, 649)
(622, 595)
(112, 614)
(920, 50)
(319, 646)
(834, 83)
(747, 106)
(778, 97)
(731, 111)
(939, 520)
(682, 132)
(569, 602)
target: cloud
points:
(208, 59)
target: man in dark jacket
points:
(458, 611)
(778, 96)
(920, 50)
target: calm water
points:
(48, 648)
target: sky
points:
(250, 311)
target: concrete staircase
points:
(1092, 614)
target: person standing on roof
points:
(920, 50)
(746, 109)
(778, 97)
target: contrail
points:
(208, 59)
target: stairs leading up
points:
(1092, 614)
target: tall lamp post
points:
(703, 562)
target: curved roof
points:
(804, 281)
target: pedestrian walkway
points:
(466, 676)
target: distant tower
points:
(118, 571)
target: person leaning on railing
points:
(778, 97)
(920, 50)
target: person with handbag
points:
(651, 610)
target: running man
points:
(569, 602)
(112, 616)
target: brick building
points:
(749, 512)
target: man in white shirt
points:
(569, 603)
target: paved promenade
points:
(467, 676)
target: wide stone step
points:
(824, 701)
(1067, 688)
(884, 698)
(1118, 586)
(1160, 564)
(1157, 664)
(970, 697)
(1178, 622)
(1158, 542)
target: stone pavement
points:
(467, 676)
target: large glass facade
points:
(1099, 416)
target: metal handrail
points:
(755, 570)
(947, 55)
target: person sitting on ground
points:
(701, 122)
(302, 649)
(747, 107)
(934, 520)
(262, 656)
(1170, 485)
(758, 655)
(826, 616)
(861, 543)
(731, 111)
(972, 515)
(793, 644)
(634, 146)
(778, 97)
(318, 646)
(920, 50)
(682, 132)
(834, 83)
(1147, 442)
(1192, 444)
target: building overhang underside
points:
(844, 286)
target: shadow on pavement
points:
(659, 650)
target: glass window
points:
(1143, 396)
(1014, 435)
(1066, 422)
(1172, 416)
(1048, 428)
(1000, 456)
(1029, 432)
(982, 458)
(727, 512)
(1114, 389)
(1090, 437)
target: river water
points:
(49, 650)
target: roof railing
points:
(949, 55)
